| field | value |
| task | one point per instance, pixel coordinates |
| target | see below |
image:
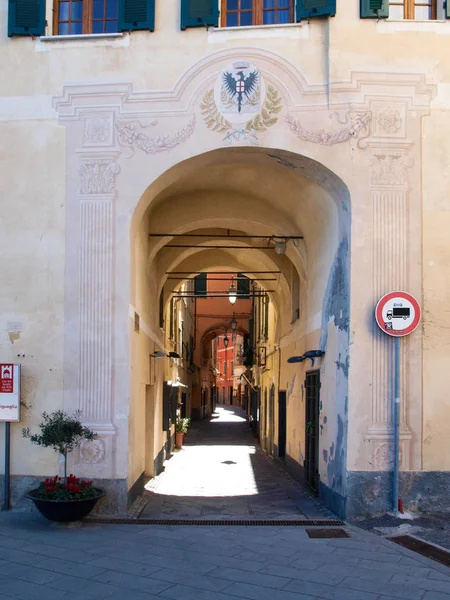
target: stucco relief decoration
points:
(96, 131)
(93, 452)
(389, 120)
(356, 126)
(98, 176)
(383, 456)
(130, 136)
(390, 169)
(241, 105)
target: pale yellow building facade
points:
(343, 140)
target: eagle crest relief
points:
(241, 105)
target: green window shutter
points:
(199, 13)
(447, 9)
(26, 17)
(243, 285)
(136, 15)
(166, 406)
(374, 9)
(266, 317)
(200, 285)
(171, 320)
(308, 9)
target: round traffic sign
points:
(397, 313)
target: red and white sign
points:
(398, 313)
(9, 392)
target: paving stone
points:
(28, 573)
(21, 557)
(244, 590)
(70, 568)
(328, 592)
(337, 559)
(203, 582)
(436, 596)
(310, 575)
(24, 590)
(380, 587)
(397, 567)
(423, 583)
(373, 555)
(131, 582)
(259, 579)
(45, 550)
(124, 566)
(181, 592)
(87, 589)
(437, 575)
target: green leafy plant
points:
(60, 431)
(182, 425)
(72, 488)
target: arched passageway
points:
(276, 226)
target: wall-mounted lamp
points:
(232, 293)
(280, 247)
(159, 354)
(233, 324)
(225, 341)
(311, 354)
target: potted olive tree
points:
(68, 498)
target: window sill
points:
(79, 37)
(255, 27)
(410, 25)
(286, 30)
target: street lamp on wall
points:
(225, 341)
(233, 324)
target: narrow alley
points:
(221, 473)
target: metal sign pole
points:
(396, 425)
(6, 501)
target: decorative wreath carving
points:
(215, 121)
(129, 136)
(357, 123)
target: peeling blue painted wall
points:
(336, 310)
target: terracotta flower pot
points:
(179, 438)
(65, 510)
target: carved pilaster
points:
(389, 191)
(97, 190)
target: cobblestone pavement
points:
(44, 561)
(221, 473)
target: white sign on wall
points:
(9, 392)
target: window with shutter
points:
(74, 17)
(374, 9)
(309, 9)
(26, 17)
(421, 10)
(201, 284)
(243, 286)
(241, 13)
(135, 15)
(199, 13)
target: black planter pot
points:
(65, 510)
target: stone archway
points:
(116, 169)
(247, 191)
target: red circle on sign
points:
(379, 314)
